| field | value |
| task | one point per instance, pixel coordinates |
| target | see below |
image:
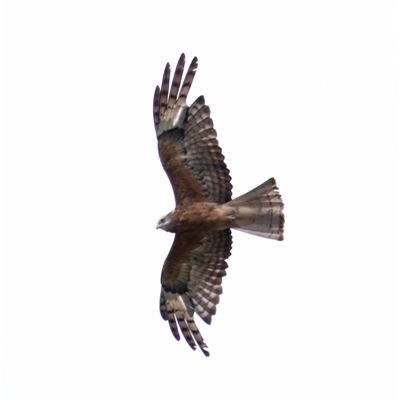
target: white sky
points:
(306, 92)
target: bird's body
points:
(205, 212)
(201, 216)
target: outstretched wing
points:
(187, 142)
(191, 282)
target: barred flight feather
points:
(174, 309)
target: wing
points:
(187, 142)
(191, 282)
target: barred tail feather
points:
(260, 211)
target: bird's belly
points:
(205, 216)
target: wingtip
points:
(205, 352)
(203, 348)
(194, 64)
(183, 56)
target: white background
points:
(303, 91)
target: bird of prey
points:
(205, 212)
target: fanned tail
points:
(260, 211)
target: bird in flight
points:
(204, 210)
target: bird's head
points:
(167, 222)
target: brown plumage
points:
(205, 212)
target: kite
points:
(204, 210)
